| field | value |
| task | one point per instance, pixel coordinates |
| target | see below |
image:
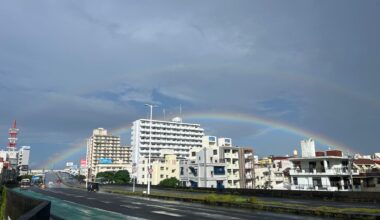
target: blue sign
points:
(105, 161)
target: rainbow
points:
(220, 116)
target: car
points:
(92, 187)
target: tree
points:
(122, 176)
(171, 182)
(106, 176)
(80, 178)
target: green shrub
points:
(252, 200)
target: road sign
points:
(150, 170)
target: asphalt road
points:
(146, 208)
(306, 202)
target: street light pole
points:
(151, 106)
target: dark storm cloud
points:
(69, 66)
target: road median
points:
(257, 204)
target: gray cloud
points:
(67, 67)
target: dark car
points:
(93, 187)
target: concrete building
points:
(369, 175)
(15, 159)
(23, 160)
(204, 168)
(246, 168)
(162, 168)
(273, 172)
(239, 161)
(330, 170)
(104, 153)
(166, 135)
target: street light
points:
(151, 106)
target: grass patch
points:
(214, 198)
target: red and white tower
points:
(13, 131)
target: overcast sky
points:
(67, 67)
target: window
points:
(378, 180)
(161, 168)
(295, 181)
(219, 170)
(161, 176)
(193, 154)
(215, 152)
(173, 170)
(143, 177)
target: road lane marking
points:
(137, 203)
(107, 202)
(89, 198)
(163, 207)
(130, 206)
(167, 213)
(215, 216)
(79, 196)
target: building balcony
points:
(323, 172)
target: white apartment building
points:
(104, 153)
(272, 173)
(204, 168)
(166, 135)
(328, 170)
(18, 160)
(23, 160)
(162, 168)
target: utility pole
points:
(205, 167)
(151, 106)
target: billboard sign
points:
(83, 163)
(69, 164)
(105, 161)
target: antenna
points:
(164, 112)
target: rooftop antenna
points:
(164, 112)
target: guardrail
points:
(22, 207)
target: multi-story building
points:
(246, 168)
(369, 175)
(23, 160)
(329, 170)
(162, 168)
(165, 135)
(15, 159)
(104, 153)
(273, 172)
(238, 162)
(204, 168)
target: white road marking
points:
(215, 216)
(137, 203)
(130, 206)
(167, 213)
(107, 202)
(163, 207)
(89, 198)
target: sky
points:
(67, 67)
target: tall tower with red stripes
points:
(13, 131)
